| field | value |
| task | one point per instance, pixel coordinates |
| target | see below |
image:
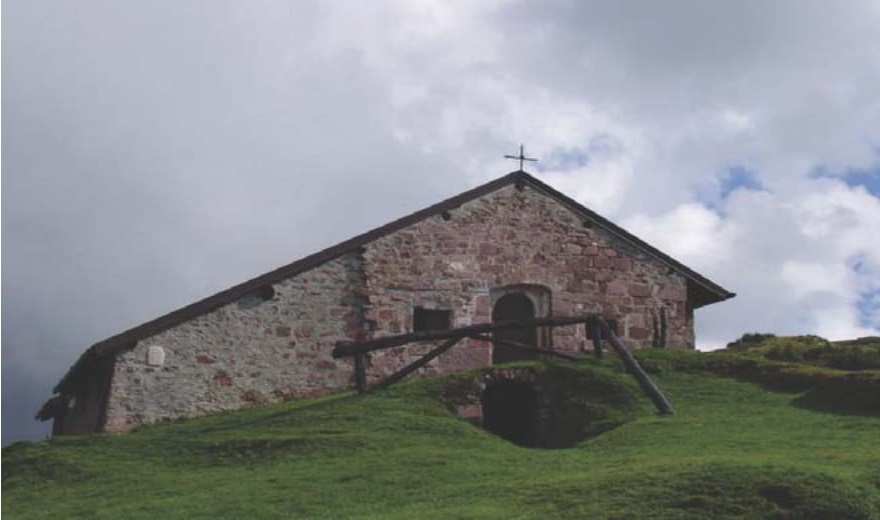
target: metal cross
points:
(521, 157)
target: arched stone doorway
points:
(513, 306)
(510, 411)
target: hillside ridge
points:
(750, 439)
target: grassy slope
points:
(733, 450)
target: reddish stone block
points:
(205, 360)
(603, 276)
(469, 411)
(614, 288)
(221, 378)
(673, 292)
(487, 250)
(639, 290)
(622, 263)
(481, 305)
(639, 333)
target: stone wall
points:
(463, 260)
(248, 353)
(245, 353)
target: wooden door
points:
(513, 306)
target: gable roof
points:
(701, 290)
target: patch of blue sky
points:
(563, 159)
(715, 191)
(858, 263)
(867, 178)
(739, 178)
(869, 300)
(869, 309)
(573, 158)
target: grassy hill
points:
(762, 444)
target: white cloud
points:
(798, 261)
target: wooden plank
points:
(632, 366)
(412, 367)
(523, 346)
(344, 348)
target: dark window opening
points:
(431, 319)
(256, 297)
(612, 324)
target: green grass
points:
(735, 449)
(856, 354)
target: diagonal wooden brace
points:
(415, 365)
(632, 366)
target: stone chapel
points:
(513, 248)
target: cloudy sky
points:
(157, 152)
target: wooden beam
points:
(415, 365)
(632, 366)
(345, 348)
(523, 346)
(360, 373)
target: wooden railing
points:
(597, 326)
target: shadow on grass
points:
(839, 402)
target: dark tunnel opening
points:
(510, 410)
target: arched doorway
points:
(510, 410)
(513, 306)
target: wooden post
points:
(360, 373)
(632, 366)
(596, 332)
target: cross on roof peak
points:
(521, 157)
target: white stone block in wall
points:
(155, 356)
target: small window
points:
(612, 324)
(431, 319)
(256, 297)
